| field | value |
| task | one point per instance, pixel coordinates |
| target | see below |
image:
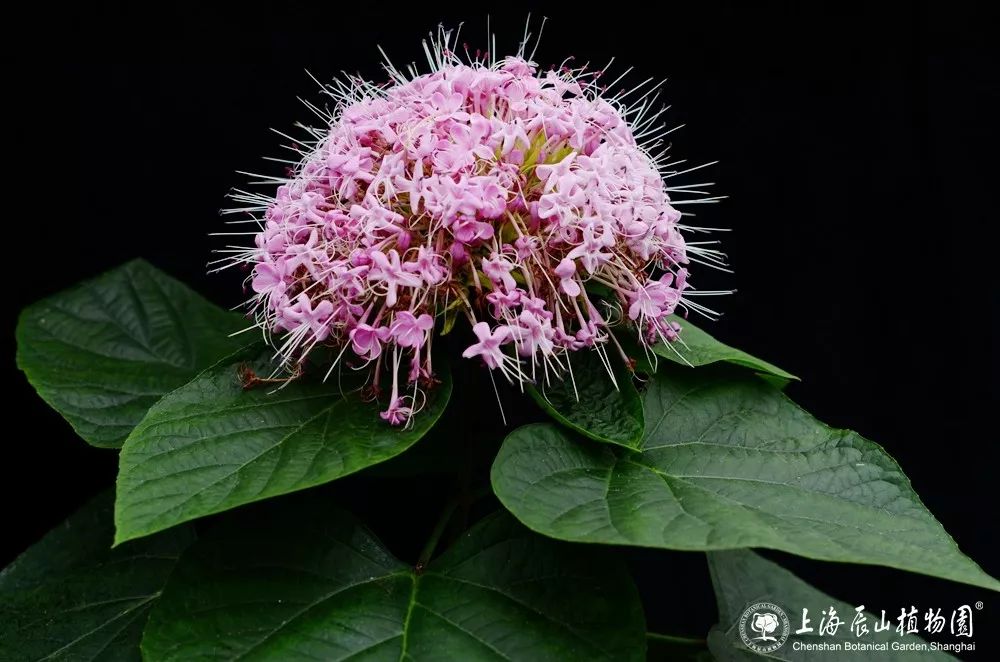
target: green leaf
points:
(593, 404)
(212, 445)
(742, 578)
(728, 461)
(312, 584)
(104, 351)
(697, 348)
(71, 597)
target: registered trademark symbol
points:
(979, 604)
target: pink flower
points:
(525, 247)
(566, 270)
(410, 331)
(565, 340)
(386, 268)
(656, 299)
(533, 335)
(484, 192)
(489, 344)
(468, 230)
(306, 255)
(501, 301)
(366, 341)
(397, 413)
(589, 334)
(536, 307)
(304, 314)
(591, 251)
(268, 276)
(428, 265)
(498, 268)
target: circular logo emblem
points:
(764, 627)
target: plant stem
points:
(439, 529)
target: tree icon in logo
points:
(764, 623)
(769, 622)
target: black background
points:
(850, 143)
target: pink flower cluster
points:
(497, 193)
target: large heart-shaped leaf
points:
(104, 351)
(742, 578)
(315, 585)
(213, 444)
(587, 399)
(728, 461)
(697, 348)
(71, 597)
